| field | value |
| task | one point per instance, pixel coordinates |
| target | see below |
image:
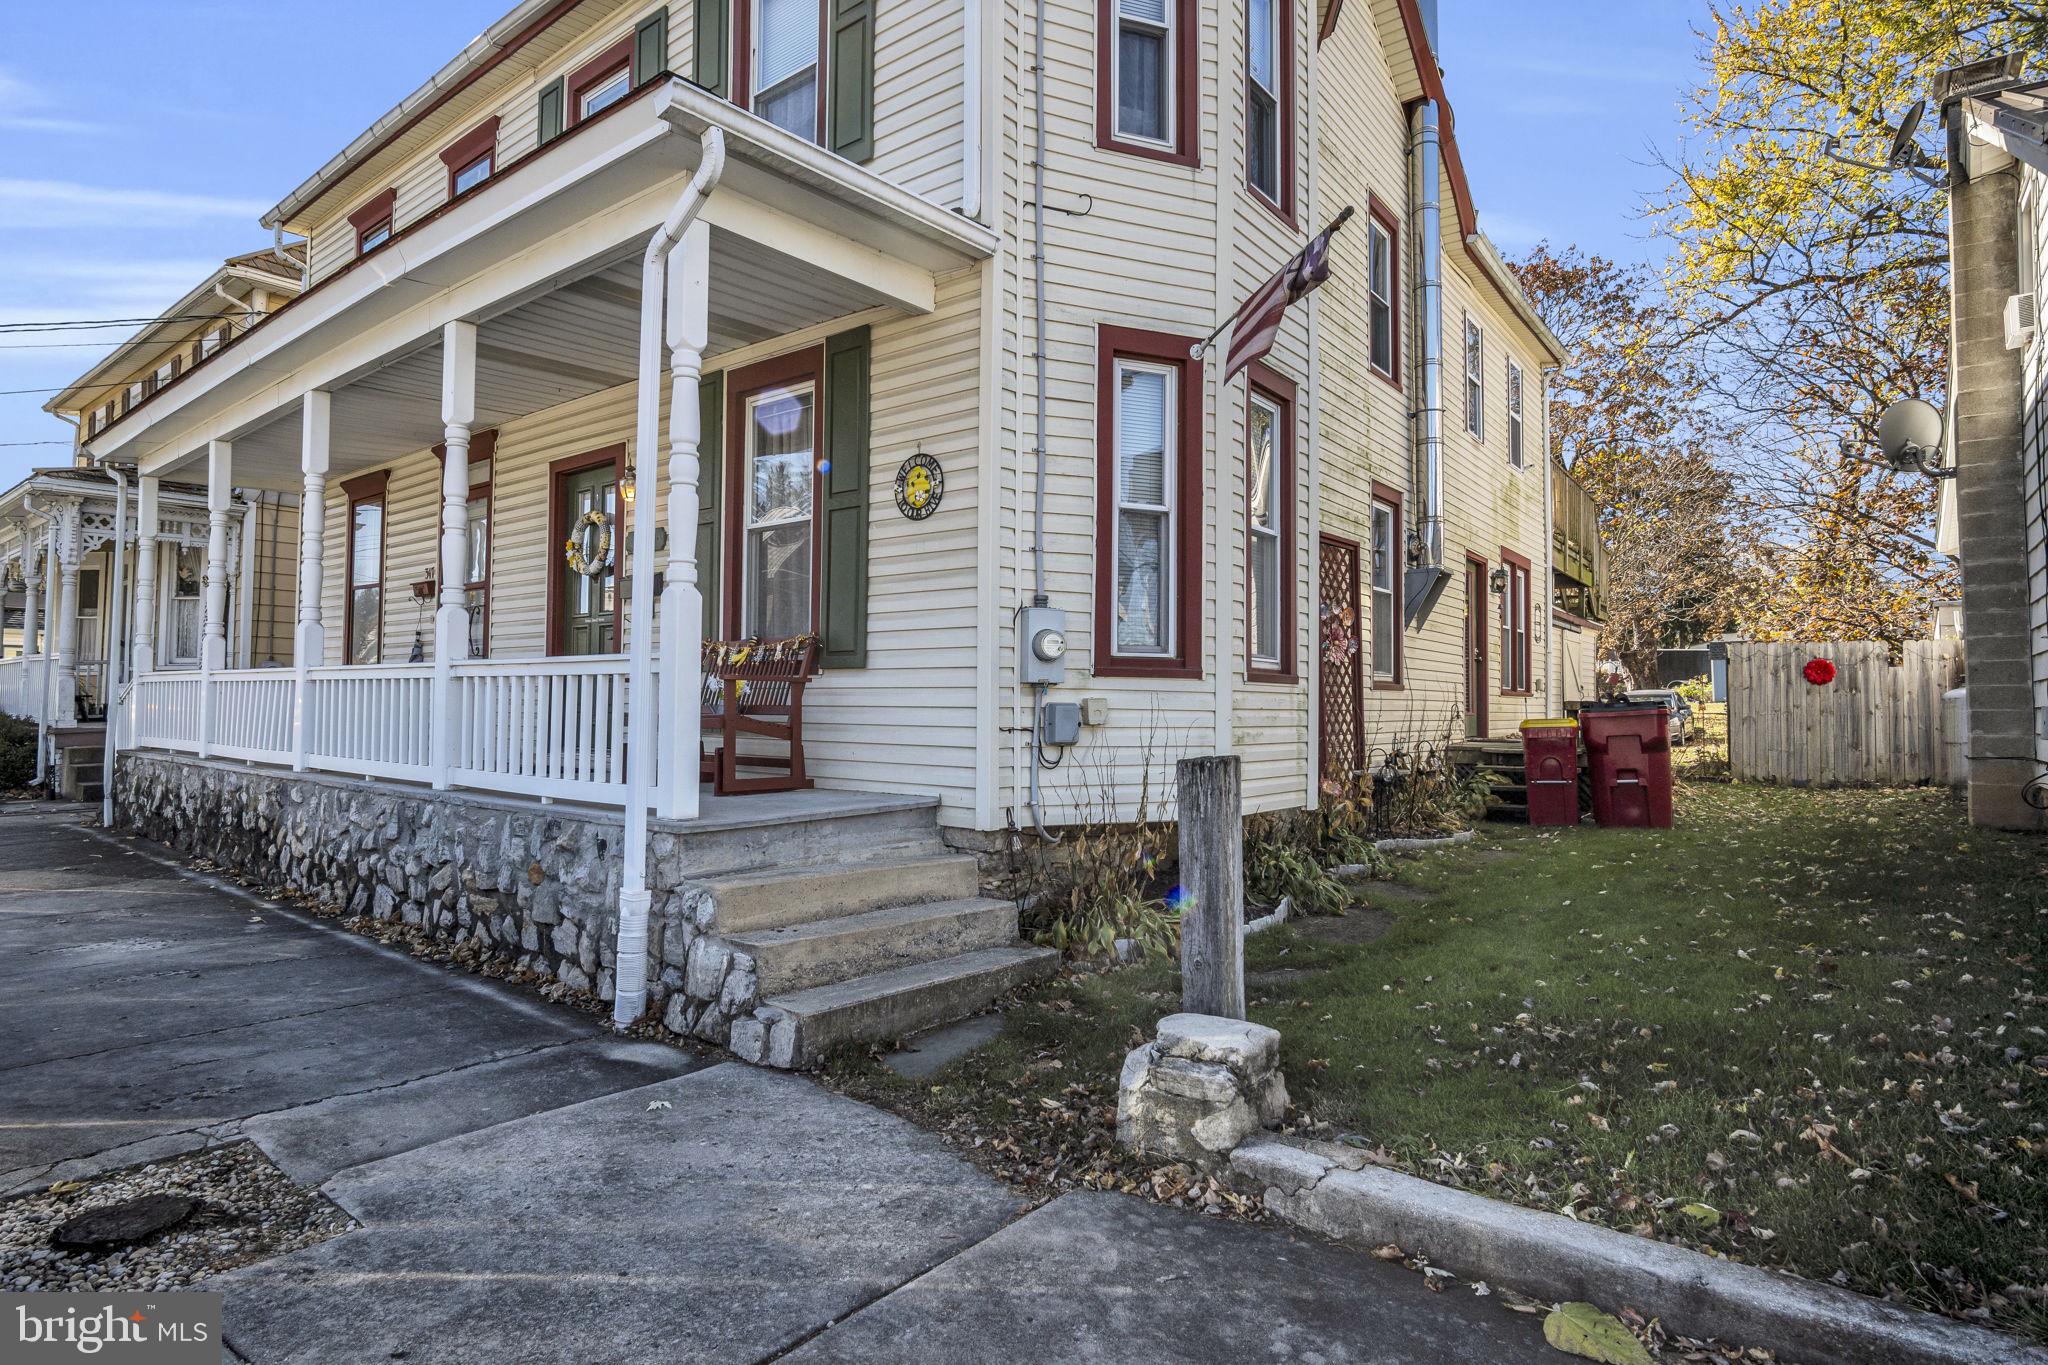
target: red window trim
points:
(1162, 348)
(1186, 148)
(615, 456)
(379, 212)
(363, 488)
(599, 69)
(1520, 658)
(1393, 498)
(740, 385)
(483, 449)
(742, 63)
(1329, 24)
(467, 150)
(1383, 213)
(1284, 207)
(1279, 390)
(1481, 648)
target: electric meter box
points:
(1042, 645)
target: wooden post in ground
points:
(1212, 882)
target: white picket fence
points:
(529, 727)
(1877, 723)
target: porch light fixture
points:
(1498, 579)
(626, 485)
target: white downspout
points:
(629, 969)
(111, 668)
(970, 109)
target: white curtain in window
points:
(1142, 515)
(788, 41)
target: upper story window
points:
(473, 158)
(1268, 117)
(1514, 414)
(1475, 379)
(1145, 77)
(374, 222)
(604, 94)
(1383, 292)
(784, 76)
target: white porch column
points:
(309, 645)
(213, 648)
(46, 676)
(145, 574)
(65, 539)
(682, 596)
(31, 621)
(451, 622)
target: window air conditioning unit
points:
(2021, 319)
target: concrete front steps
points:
(887, 940)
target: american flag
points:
(1257, 321)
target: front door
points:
(588, 601)
(1341, 678)
(1476, 721)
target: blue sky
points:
(140, 142)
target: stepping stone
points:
(118, 1225)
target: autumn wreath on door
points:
(589, 547)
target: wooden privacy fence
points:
(1877, 723)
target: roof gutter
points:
(527, 21)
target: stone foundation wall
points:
(533, 886)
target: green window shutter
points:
(709, 45)
(843, 610)
(551, 98)
(710, 474)
(650, 47)
(850, 77)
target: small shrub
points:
(1275, 869)
(1110, 887)
(17, 752)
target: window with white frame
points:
(785, 75)
(1386, 579)
(1146, 466)
(1265, 612)
(602, 95)
(1143, 70)
(366, 581)
(1514, 414)
(1379, 253)
(1475, 379)
(780, 457)
(373, 237)
(1262, 97)
(474, 174)
(476, 586)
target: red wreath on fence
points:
(1819, 672)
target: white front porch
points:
(520, 302)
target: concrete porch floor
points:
(530, 1189)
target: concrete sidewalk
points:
(529, 1189)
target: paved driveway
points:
(529, 1189)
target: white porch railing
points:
(372, 720)
(529, 727)
(543, 727)
(167, 711)
(12, 672)
(252, 715)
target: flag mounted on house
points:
(1257, 321)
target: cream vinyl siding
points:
(1143, 255)
(919, 64)
(1365, 428)
(905, 723)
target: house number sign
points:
(920, 483)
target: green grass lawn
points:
(1801, 1030)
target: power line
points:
(8, 445)
(7, 392)
(73, 324)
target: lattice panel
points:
(1340, 661)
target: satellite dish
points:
(1909, 433)
(1904, 152)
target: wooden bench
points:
(756, 687)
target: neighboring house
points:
(58, 555)
(1339, 552)
(1994, 509)
(1578, 566)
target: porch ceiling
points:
(575, 340)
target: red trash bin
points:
(1550, 763)
(1629, 751)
